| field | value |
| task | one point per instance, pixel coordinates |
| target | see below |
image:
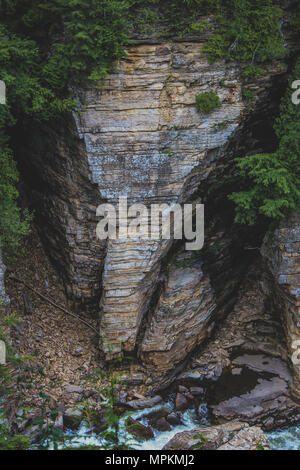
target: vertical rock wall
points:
(139, 135)
(281, 252)
(53, 161)
(145, 140)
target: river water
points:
(281, 439)
(285, 439)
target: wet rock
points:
(157, 413)
(72, 418)
(173, 419)
(181, 403)
(139, 430)
(230, 436)
(183, 389)
(197, 391)
(141, 404)
(266, 400)
(162, 425)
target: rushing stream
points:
(285, 439)
(281, 439)
(190, 420)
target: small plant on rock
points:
(207, 102)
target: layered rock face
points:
(182, 317)
(281, 252)
(138, 136)
(54, 162)
(145, 140)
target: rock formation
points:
(281, 252)
(141, 137)
(231, 436)
(138, 136)
(182, 317)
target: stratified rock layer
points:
(281, 252)
(182, 317)
(145, 140)
(54, 162)
(140, 136)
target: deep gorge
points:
(223, 320)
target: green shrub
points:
(253, 71)
(13, 223)
(248, 95)
(8, 440)
(50, 49)
(247, 31)
(272, 181)
(207, 102)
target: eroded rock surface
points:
(250, 326)
(182, 317)
(145, 140)
(266, 404)
(247, 362)
(281, 252)
(230, 436)
(139, 136)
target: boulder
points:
(139, 430)
(173, 419)
(162, 425)
(72, 418)
(229, 436)
(142, 404)
(197, 391)
(181, 403)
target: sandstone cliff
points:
(139, 135)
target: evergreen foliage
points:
(247, 31)
(207, 102)
(50, 48)
(272, 181)
(8, 440)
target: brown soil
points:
(64, 351)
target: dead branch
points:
(53, 303)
